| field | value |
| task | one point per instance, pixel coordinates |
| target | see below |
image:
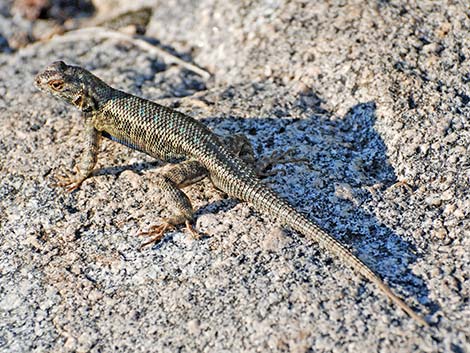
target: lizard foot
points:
(277, 158)
(194, 233)
(157, 232)
(70, 181)
(402, 183)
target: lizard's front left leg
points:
(171, 182)
(88, 159)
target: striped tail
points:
(267, 201)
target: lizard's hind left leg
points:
(171, 182)
(241, 146)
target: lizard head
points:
(72, 84)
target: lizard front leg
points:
(88, 159)
(171, 182)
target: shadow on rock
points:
(347, 172)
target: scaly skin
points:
(166, 134)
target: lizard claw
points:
(277, 158)
(157, 232)
(70, 181)
(194, 233)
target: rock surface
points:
(376, 97)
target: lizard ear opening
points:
(86, 104)
(78, 101)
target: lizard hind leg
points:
(275, 158)
(241, 146)
(171, 182)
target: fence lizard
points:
(166, 134)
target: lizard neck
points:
(92, 102)
(94, 93)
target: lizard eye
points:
(56, 85)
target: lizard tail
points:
(267, 201)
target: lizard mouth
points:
(39, 82)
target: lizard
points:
(169, 135)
